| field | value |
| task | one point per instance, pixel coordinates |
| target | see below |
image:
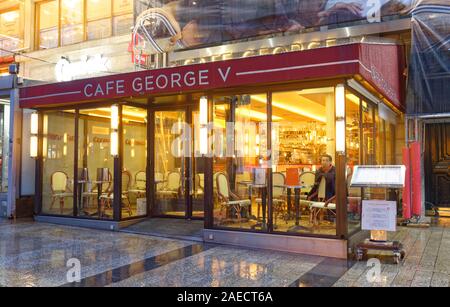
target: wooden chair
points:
(172, 186)
(323, 205)
(59, 184)
(227, 199)
(108, 197)
(199, 185)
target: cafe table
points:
(297, 190)
(99, 183)
(263, 192)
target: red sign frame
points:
(378, 64)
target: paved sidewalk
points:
(36, 254)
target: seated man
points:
(328, 171)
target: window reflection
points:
(58, 157)
(95, 164)
(303, 146)
(134, 176)
(353, 131)
(240, 162)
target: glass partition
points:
(303, 153)
(4, 144)
(170, 164)
(58, 165)
(240, 162)
(134, 176)
(95, 164)
(198, 169)
(353, 136)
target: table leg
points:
(297, 206)
(99, 205)
(264, 207)
(289, 192)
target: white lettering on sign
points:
(224, 75)
(87, 66)
(140, 85)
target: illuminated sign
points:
(65, 70)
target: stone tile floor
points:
(35, 254)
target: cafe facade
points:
(234, 143)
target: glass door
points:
(178, 167)
(169, 164)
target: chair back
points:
(321, 191)
(200, 181)
(308, 179)
(278, 181)
(173, 181)
(126, 181)
(159, 177)
(140, 180)
(58, 181)
(223, 188)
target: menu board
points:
(379, 215)
(379, 176)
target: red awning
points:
(379, 64)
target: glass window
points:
(58, 157)
(4, 145)
(11, 32)
(98, 29)
(353, 130)
(381, 140)
(170, 164)
(198, 168)
(390, 143)
(123, 19)
(99, 19)
(303, 152)
(48, 24)
(134, 174)
(240, 162)
(368, 133)
(72, 29)
(95, 164)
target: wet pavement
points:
(36, 254)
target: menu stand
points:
(376, 176)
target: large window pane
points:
(170, 163)
(72, 15)
(58, 165)
(4, 146)
(48, 24)
(240, 162)
(198, 169)
(99, 29)
(368, 133)
(95, 164)
(122, 24)
(353, 130)
(123, 18)
(99, 19)
(303, 146)
(134, 179)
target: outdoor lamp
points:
(114, 143)
(114, 130)
(203, 125)
(34, 130)
(340, 118)
(115, 117)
